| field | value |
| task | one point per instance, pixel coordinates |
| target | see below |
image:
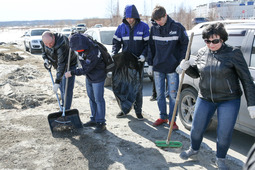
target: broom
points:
(168, 143)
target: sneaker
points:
(90, 124)
(100, 127)
(159, 122)
(139, 116)
(121, 115)
(188, 153)
(153, 98)
(175, 127)
(220, 162)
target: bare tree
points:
(184, 16)
(114, 13)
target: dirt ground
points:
(26, 99)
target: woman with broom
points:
(219, 67)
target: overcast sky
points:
(18, 10)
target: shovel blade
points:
(171, 144)
(71, 120)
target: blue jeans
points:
(95, 92)
(227, 112)
(173, 83)
(70, 85)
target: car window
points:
(37, 32)
(106, 37)
(235, 38)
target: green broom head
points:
(170, 144)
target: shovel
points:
(168, 143)
(65, 119)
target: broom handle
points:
(179, 91)
(66, 86)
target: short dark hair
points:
(158, 12)
(215, 29)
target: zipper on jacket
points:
(211, 80)
(229, 87)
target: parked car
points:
(66, 31)
(33, 39)
(105, 35)
(199, 20)
(241, 35)
(98, 26)
(80, 28)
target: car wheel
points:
(25, 46)
(186, 106)
(30, 49)
(186, 109)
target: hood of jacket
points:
(130, 12)
(79, 42)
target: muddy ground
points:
(26, 99)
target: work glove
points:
(141, 58)
(251, 110)
(109, 74)
(184, 65)
(178, 70)
(56, 87)
(192, 60)
(46, 63)
(150, 70)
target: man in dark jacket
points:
(132, 35)
(55, 51)
(93, 67)
(167, 47)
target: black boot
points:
(100, 128)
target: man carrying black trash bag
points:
(93, 67)
(132, 35)
(55, 51)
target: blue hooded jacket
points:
(92, 63)
(167, 46)
(134, 40)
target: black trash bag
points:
(126, 79)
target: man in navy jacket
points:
(167, 47)
(132, 35)
(93, 67)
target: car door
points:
(244, 122)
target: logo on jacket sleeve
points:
(172, 32)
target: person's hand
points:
(141, 58)
(46, 63)
(251, 110)
(109, 74)
(56, 87)
(150, 70)
(192, 60)
(184, 64)
(178, 70)
(68, 74)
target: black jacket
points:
(220, 73)
(58, 55)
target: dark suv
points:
(241, 35)
(199, 20)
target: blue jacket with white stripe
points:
(167, 46)
(134, 40)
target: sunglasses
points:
(216, 41)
